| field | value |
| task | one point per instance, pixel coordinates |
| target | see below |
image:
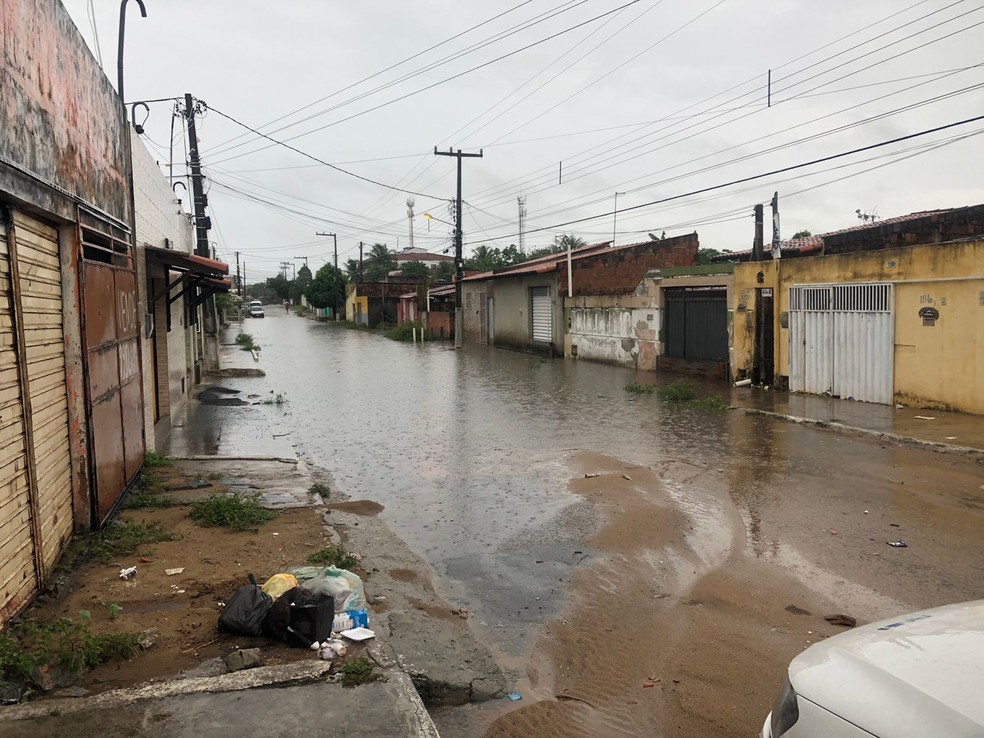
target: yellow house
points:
(889, 325)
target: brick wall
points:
(947, 225)
(619, 271)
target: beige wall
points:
(940, 365)
(511, 301)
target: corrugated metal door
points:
(542, 315)
(41, 296)
(842, 340)
(111, 331)
(19, 575)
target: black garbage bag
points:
(300, 617)
(246, 610)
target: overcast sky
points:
(652, 98)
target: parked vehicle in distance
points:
(256, 309)
(913, 676)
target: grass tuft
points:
(677, 392)
(152, 459)
(358, 671)
(639, 389)
(711, 403)
(331, 556)
(245, 341)
(124, 537)
(322, 490)
(149, 493)
(235, 512)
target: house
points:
(434, 311)
(409, 255)
(524, 306)
(72, 322)
(889, 312)
(372, 303)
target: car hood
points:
(908, 677)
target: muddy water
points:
(589, 589)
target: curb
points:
(205, 457)
(946, 448)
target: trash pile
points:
(306, 607)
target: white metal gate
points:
(841, 340)
(542, 314)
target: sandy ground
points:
(684, 623)
(181, 610)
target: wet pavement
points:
(474, 456)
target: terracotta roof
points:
(814, 244)
(543, 264)
(444, 289)
(420, 256)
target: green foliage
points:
(639, 389)
(300, 283)
(704, 256)
(442, 271)
(404, 331)
(711, 403)
(149, 493)
(123, 537)
(278, 400)
(322, 490)
(65, 642)
(415, 270)
(327, 289)
(152, 459)
(484, 258)
(679, 391)
(236, 512)
(358, 671)
(299, 309)
(801, 234)
(331, 556)
(245, 341)
(279, 287)
(114, 610)
(379, 263)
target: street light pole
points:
(615, 216)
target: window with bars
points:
(872, 297)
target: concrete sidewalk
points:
(933, 429)
(298, 699)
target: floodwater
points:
(478, 457)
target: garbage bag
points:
(345, 587)
(246, 610)
(278, 584)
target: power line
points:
(751, 178)
(322, 161)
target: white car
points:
(256, 309)
(915, 676)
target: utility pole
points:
(410, 218)
(522, 223)
(304, 258)
(360, 261)
(239, 284)
(757, 244)
(459, 264)
(199, 199)
(776, 247)
(335, 239)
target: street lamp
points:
(615, 217)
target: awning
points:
(201, 277)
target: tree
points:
(299, 286)
(567, 240)
(801, 234)
(279, 286)
(352, 268)
(260, 291)
(704, 256)
(415, 270)
(327, 289)
(443, 271)
(380, 263)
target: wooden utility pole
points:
(459, 264)
(199, 198)
(335, 239)
(239, 285)
(360, 261)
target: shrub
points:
(404, 331)
(639, 389)
(679, 391)
(235, 512)
(331, 556)
(322, 490)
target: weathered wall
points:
(60, 118)
(619, 271)
(512, 320)
(472, 295)
(160, 222)
(946, 225)
(621, 336)
(935, 366)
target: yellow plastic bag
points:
(278, 584)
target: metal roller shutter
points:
(541, 314)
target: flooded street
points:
(637, 567)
